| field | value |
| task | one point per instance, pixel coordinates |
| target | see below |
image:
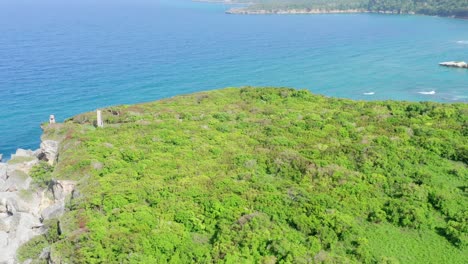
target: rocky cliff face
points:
(24, 206)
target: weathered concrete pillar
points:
(51, 119)
(99, 123)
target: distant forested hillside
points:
(458, 8)
(262, 175)
(429, 7)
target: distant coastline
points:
(251, 8)
(227, 2)
(308, 11)
(244, 11)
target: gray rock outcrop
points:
(18, 206)
(27, 153)
(3, 171)
(23, 206)
(17, 180)
(49, 151)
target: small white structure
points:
(99, 122)
(51, 119)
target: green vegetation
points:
(35, 247)
(41, 173)
(457, 8)
(265, 175)
(32, 248)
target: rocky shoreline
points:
(24, 205)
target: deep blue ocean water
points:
(67, 57)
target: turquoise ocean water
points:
(68, 57)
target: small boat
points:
(455, 64)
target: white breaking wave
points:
(464, 42)
(369, 93)
(459, 97)
(427, 93)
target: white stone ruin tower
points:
(100, 122)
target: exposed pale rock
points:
(22, 210)
(62, 188)
(45, 254)
(53, 211)
(97, 165)
(5, 224)
(75, 194)
(3, 207)
(49, 150)
(17, 180)
(23, 165)
(23, 153)
(3, 239)
(12, 201)
(46, 200)
(24, 227)
(11, 206)
(37, 153)
(3, 171)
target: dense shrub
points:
(266, 175)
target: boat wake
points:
(369, 93)
(427, 93)
(463, 42)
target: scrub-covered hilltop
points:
(262, 175)
(456, 8)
